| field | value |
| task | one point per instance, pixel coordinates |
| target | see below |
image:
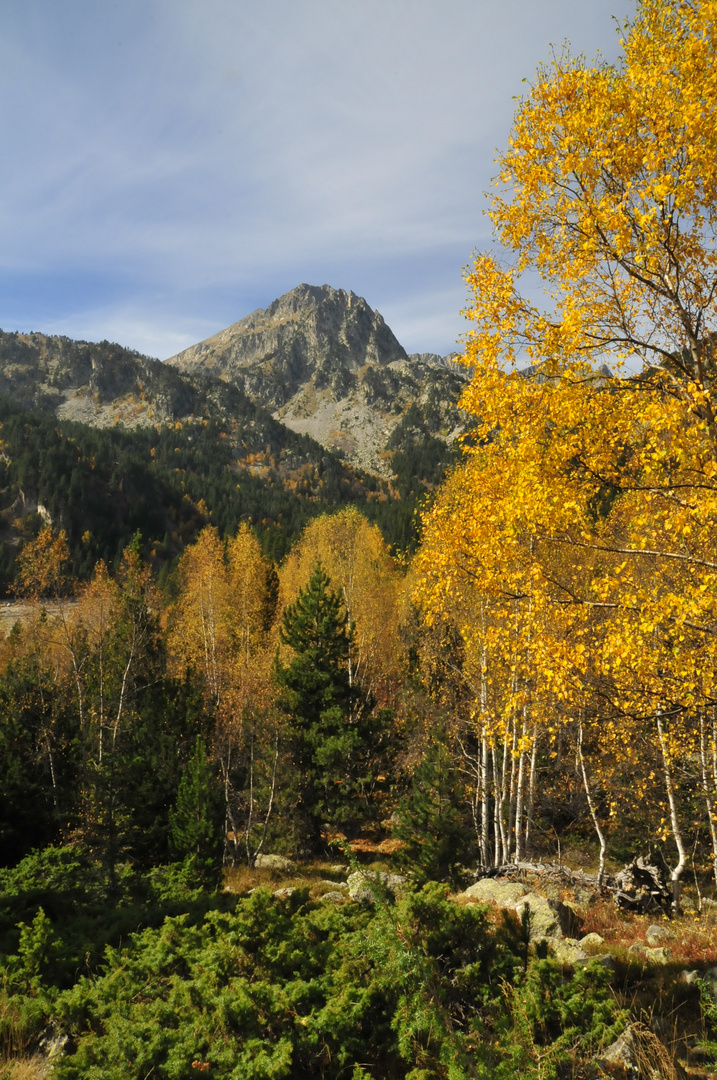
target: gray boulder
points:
(592, 941)
(568, 951)
(658, 935)
(333, 897)
(548, 918)
(332, 886)
(660, 955)
(496, 891)
(362, 886)
(273, 862)
(621, 1056)
(284, 894)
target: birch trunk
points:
(496, 809)
(503, 796)
(519, 795)
(485, 801)
(676, 873)
(709, 803)
(511, 799)
(531, 789)
(591, 807)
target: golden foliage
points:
(356, 558)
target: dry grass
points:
(694, 944)
(242, 879)
(27, 1068)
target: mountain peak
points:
(327, 365)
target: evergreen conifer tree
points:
(321, 704)
(434, 823)
(198, 814)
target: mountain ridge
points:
(327, 365)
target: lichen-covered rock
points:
(548, 918)
(620, 1058)
(592, 941)
(496, 891)
(332, 886)
(568, 951)
(333, 897)
(363, 885)
(660, 955)
(283, 894)
(273, 862)
(658, 935)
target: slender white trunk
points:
(511, 798)
(496, 809)
(531, 789)
(270, 807)
(503, 794)
(709, 802)
(485, 801)
(676, 873)
(591, 807)
(519, 794)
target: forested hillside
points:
(321, 810)
(166, 482)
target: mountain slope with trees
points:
(206, 791)
(327, 365)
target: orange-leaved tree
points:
(590, 494)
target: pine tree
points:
(434, 823)
(320, 701)
(198, 814)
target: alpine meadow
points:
(358, 709)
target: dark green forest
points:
(102, 486)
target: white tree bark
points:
(591, 806)
(676, 872)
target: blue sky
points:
(168, 166)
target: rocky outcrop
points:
(328, 366)
(546, 918)
(495, 891)
(364, 886)
(274, 862)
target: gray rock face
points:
(332, 897)
(621, 1056)
(568, 951)
(495, 891)
(592, 941)
(274, 862)
(548, 918)
(360, 884)
(658, 935)
(328, 366)
(340, 886)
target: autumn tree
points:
(221, 628)
(588, 496)
(356, 558)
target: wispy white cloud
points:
(196, 160)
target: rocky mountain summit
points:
(328, 366)
(318, 361)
